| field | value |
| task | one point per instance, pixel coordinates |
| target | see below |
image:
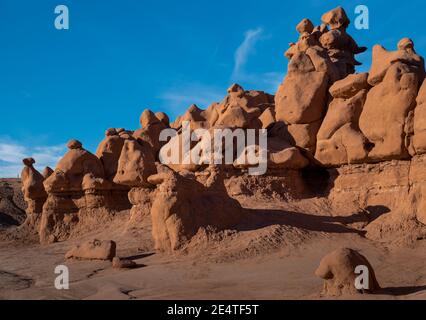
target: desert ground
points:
(275, 259)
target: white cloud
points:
(251, 37)
(268, 81)
(12, 153)
(180, 97)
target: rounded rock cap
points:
(305, 26)
(28, 162)
(235, 88)
(336, 18)
(74, 144)
(405, 43)
(164, 118)
(147, 118)
(111, 132)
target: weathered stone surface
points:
(301, 98)
(93, 250)
(338, 271)
(34, 193)
(419, 122)
(339, 140)
(118, 263)
(183, 205)
(387, 107)
(349, 86)
(136, 164)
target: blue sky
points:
(120, 57)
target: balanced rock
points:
(34, 193)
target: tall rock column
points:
(395, 77)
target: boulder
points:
(119, 263)
(338, 271)
(93, 250)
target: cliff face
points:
(355, 141)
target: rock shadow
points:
(261, 218)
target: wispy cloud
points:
(180, 97)
(269, 80)
(251, 37)
(12, 153)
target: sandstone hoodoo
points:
(352, 140)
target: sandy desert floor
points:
(275, 260)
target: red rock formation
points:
(78, 184)
(338, 271)
(323, 115)
(34, 193)
(183, 205)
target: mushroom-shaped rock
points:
(341, 47)
(72, 168)
(93, 250)
(340, 270)
(32, 181)
(32, 187)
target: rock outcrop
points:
(78, 185)
(34, 192)
(363, 133)
(317, 60)
(339, 140)
(184, 204)
(396, 78)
